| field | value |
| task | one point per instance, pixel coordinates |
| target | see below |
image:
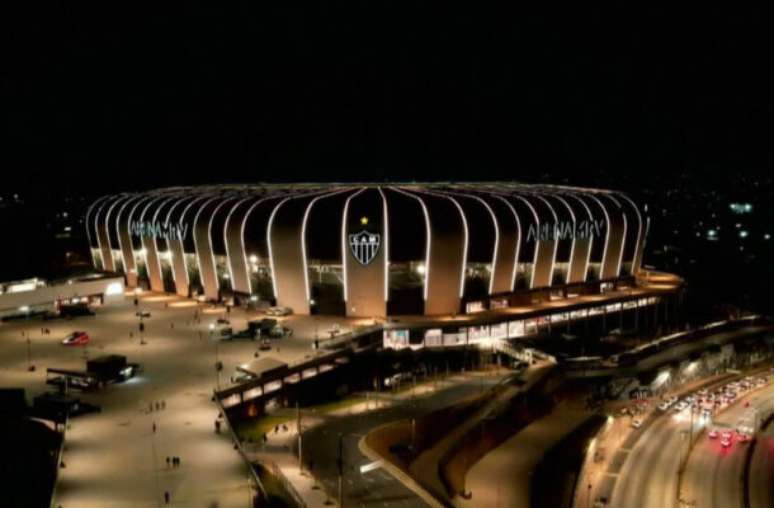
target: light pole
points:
(30, 367)
(218, 364)
(300, 441)
(340, 465)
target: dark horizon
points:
(101, 101)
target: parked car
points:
(143, 313)
(713, 434)
(265, 345)
(636, 423)
(223, 321)
(76, 339)
(279, 311)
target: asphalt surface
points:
(712, 477)
(647, 464)
(378, 487)
(114, 458)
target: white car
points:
(636, 423)
(725, 443)
(713, 434)
(664, 406)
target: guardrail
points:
(632, 357)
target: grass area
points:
(336, 405)
(253, 430)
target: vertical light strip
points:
(129, 224)
(129, 264)
(640, 238)
(623, 237)
(607, 235)
(88, 233)
(497, 240)
(156, 243)
(556, 241)
(303, 240)
(99, 237)
(591, 237)
(271, 251)
(537, 228)
(107, 227)
(572, 248)
(225, 241)
(428, 238)
(518, 242)
(196, 242)
(344, 256)
(386, 251)
(212, 245)
(464, 244)
(242, 240)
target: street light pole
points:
(300, 442)
(340, 464)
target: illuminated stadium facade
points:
(371, 250)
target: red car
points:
(76, 339)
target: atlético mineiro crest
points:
(364, 246)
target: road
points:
(646, 466)
(712, 477)
(377, 488)
(113, 458)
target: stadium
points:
(372, 250)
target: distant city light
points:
(421, 269)
(767, 236)
(743, 233)
(741, 208)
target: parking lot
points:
(114, 458)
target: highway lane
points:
(712, 476)
(649, 475)
(762, 471)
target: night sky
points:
(138, 97)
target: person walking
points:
(168, 461)
(166, 497)
(154, 427)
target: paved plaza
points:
(114, 458)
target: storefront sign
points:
(157, 229)
(565, 230)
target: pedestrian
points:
(168, 461)
(178, 461)
(276, 429)
(163, 404)
(157, 405)
(150, 407)
(166, 497)
(172, 325)
(154, 427)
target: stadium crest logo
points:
(364, 246)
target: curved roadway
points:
(650, 461)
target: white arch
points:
(344, 241)
(386, 255)
(428, 234)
